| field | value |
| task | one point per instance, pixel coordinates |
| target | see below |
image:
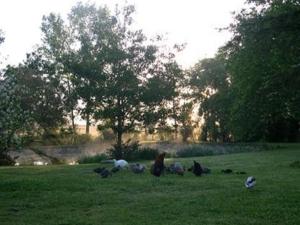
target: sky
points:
(194, 22)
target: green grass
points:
(74, 195)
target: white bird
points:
(250, 182)
(120, 163)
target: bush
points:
(146, 154)
(5, 159)
(132, 151)
(125, 151)
(93, 159)
(218, 149)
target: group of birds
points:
(158, 168)
(119, 165)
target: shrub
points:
(146, 154)
(126, 151)
(132, 151)
(218, 149)
(5, 159)
(93, 159)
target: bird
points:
(176, 168)
(158, 167)
(205, 170)
(99, 170)
(137, 168)
(227, 171)
(115, 169)
(121, 163)
(197, 170)
(103, 172)
(241, 172)
(250, 182)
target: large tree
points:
(109, 64)
(263, 58)
(134, 65)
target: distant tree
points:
(211, 88)
(185, 120)
(162, 95)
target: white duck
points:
(121, 163)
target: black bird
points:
(241, 172)
(204, 169)
(99, 170)
(227, 171)
(197, 170)
(115, 169)
(103, 172)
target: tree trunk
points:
(119, 138)
(73, 122)
(120, 125)
(87, 127)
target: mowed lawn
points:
(73, 195)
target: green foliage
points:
(185, 121)
(264, 65)
(146, 154)
(14, 120)
(93, 159)
(125, 151)
(211, 88)
(132, 151)
(250, 90)
(5, 159)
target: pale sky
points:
(182, 21)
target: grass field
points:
(75, 195)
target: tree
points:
(42, 92)
(185, 120)
(263, 61)
(211, 88)
(109, 64)
(56, 48)
(13, 119)
(126, 75)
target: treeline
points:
(251, 90)
(96, 66)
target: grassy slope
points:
(75, 195)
